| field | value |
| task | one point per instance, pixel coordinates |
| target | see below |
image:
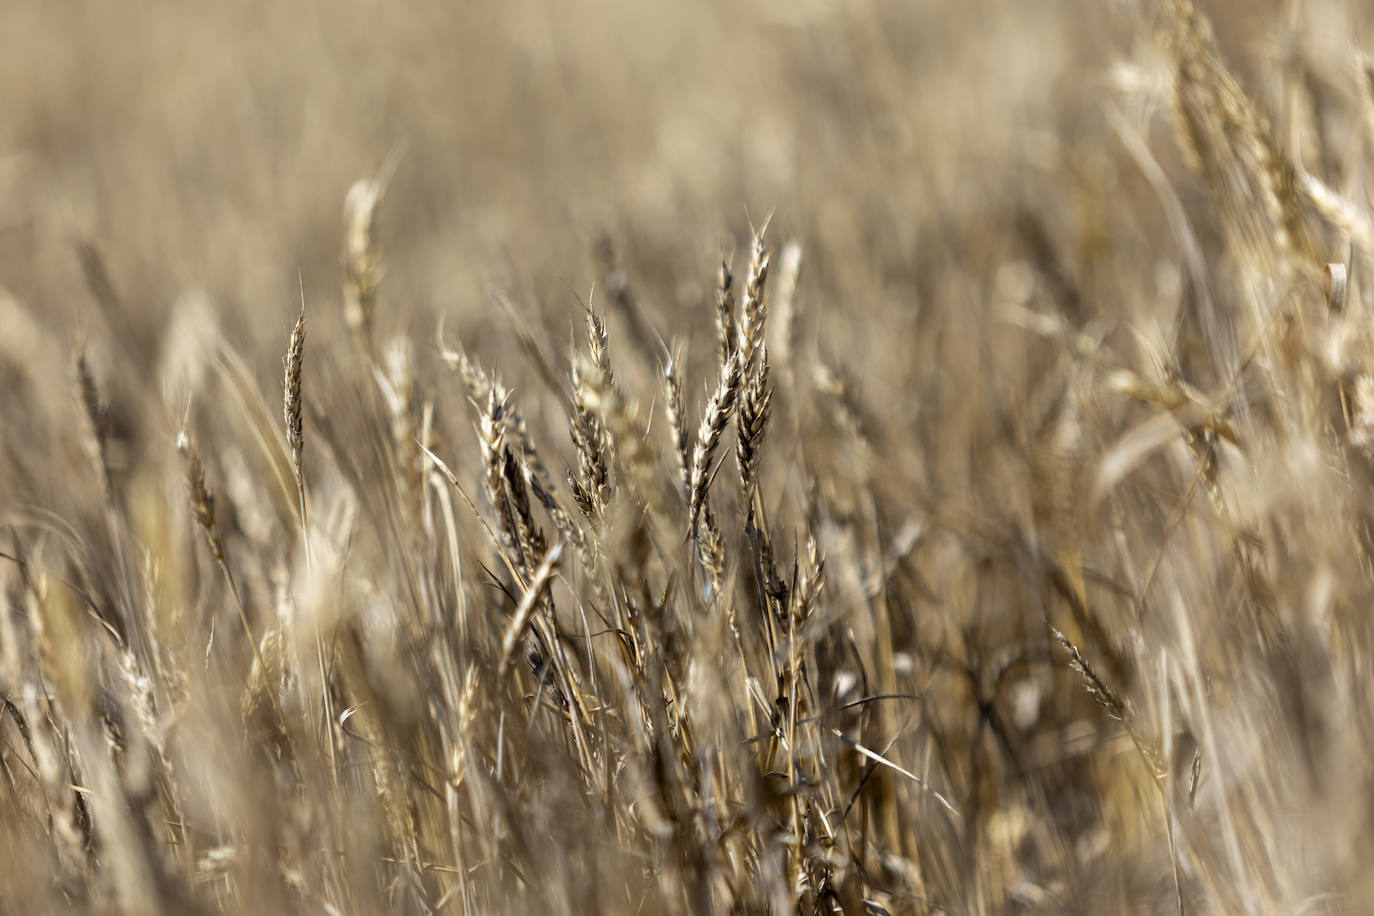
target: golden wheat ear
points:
(291, 407)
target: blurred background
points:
(209, 146)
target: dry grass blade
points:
(520, 620)
(1337, 282)
(1116, 707)
(1091, 682)
(202, 503)
(492, 536)
(883, 761)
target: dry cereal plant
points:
(606, 457)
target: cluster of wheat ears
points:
(699, 629)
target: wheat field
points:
(608, 457)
